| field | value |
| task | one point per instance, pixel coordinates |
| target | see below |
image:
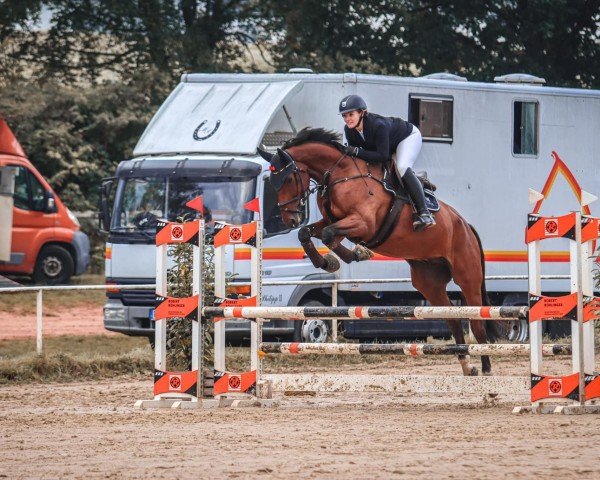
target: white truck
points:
(484, 145)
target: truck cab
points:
(41, 237)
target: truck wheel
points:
(518, 332)
(313, 330)
(54, 266)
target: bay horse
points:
(354, 204)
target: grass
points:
(81, 346)
(25, 303)
(70, 358)
(79, 358)
(76, 358)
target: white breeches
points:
(407, 151)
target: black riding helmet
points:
(352, 102)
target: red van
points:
(46, 240)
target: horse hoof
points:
(362, 253)
(487, 374)
(332, 264)
(474, 372)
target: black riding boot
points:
(413, 187)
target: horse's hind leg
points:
(470, 281)
(431, 278)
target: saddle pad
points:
(430, 201)
(393, 186)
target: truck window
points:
(273, 223)
(525, 128)
(272, 215)
(143, 200)
(432, 116)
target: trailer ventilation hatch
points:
(522, 78)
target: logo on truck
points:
(206, 130)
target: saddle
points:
(392, 184)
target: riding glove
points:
(352, 151)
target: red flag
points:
(196, 204)
(253, 205)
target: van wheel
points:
(54, 266)
(313, 330)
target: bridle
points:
(302, 197)
(323, 187)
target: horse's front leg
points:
(329, 262)
(332, 236)
(304, 235)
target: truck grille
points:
(137, 298)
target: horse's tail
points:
(490, 326)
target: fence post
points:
(39, 347)
(334, 303)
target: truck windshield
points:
(144, 200)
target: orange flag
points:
(196, 204)
(253, 205)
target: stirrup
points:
(423, 221)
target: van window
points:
(432, 116)
(29, 192)
(525, 128)
(38, 193)
(21, 194)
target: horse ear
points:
(264, 154)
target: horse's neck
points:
(318, 161)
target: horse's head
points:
(291, 182)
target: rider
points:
(375, 138)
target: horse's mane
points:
(308, 134)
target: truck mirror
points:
(49, 203)
(104, 208)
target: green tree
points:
(335, 35)
(17, 18)
(557, 39)
(89, 37)
(76, 137)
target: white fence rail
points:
(39, 290)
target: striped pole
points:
(409, 349)
(357, 313)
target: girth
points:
(389, 223)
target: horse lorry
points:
(485, 145)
